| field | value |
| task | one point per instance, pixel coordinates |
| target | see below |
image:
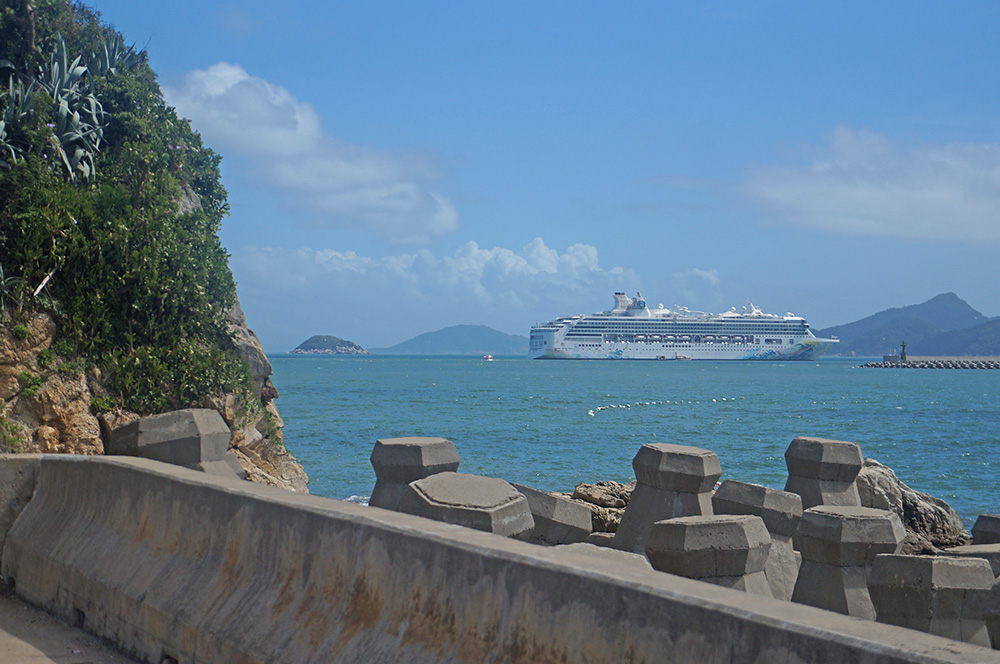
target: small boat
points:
(488, 357)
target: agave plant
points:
(6, 147)
(78, 118)
(110, 57)
(16, 104)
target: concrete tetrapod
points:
(988, 552)
(823, 472)
(991, 614)
(671, 481)
(557, 519)
(172, 564)
(196, 438)
(781, 512)
(725, 549)
(933, 594)
(838, 545)
(473, 501)
(399, 461)
(986, 530)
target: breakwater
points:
(936, 363)
(173, 564)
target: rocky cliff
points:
(48, 403)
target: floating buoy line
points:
(638, 404)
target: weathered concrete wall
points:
(168, 561)
(18, 476)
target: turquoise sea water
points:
(552, 424)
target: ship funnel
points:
(621, 302)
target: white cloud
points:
(348, 185)
(711, 277)
(861, 183)
(385, 300)
(697, 285)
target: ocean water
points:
(554, 424)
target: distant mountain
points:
(881, 333)
(978, 340)
(321, 344)
(460, 340)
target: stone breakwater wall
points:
(171, 563)
(938, 363)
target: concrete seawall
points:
(169, 562)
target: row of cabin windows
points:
(624, 338)
(692, 329)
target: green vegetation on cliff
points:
(110, 208)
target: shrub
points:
(11, 439)
(135, 287)
(45, 357)
(29, 383)
(273, 433)
(68, 367)
(20, 331)
(101, 403)
(64, 348)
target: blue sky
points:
(399, 167)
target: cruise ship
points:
(633, 331)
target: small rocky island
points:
(322, 344)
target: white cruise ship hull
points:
(807, 349)
(631, 331)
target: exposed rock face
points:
(52, 416)
(249, 349)
(57, 418)
(257, 441)
(930, 522)
(606, 500)
(188, 200)
(604, 494)
(17, 355)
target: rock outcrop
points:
(930, 522)
(42, 410)
(257, 440)
(606, 500)
(249, 349)
(46, 407)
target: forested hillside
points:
(110, 208)
(460, 340)
(116, 298)
(927, 328)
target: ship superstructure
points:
(633, 331)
